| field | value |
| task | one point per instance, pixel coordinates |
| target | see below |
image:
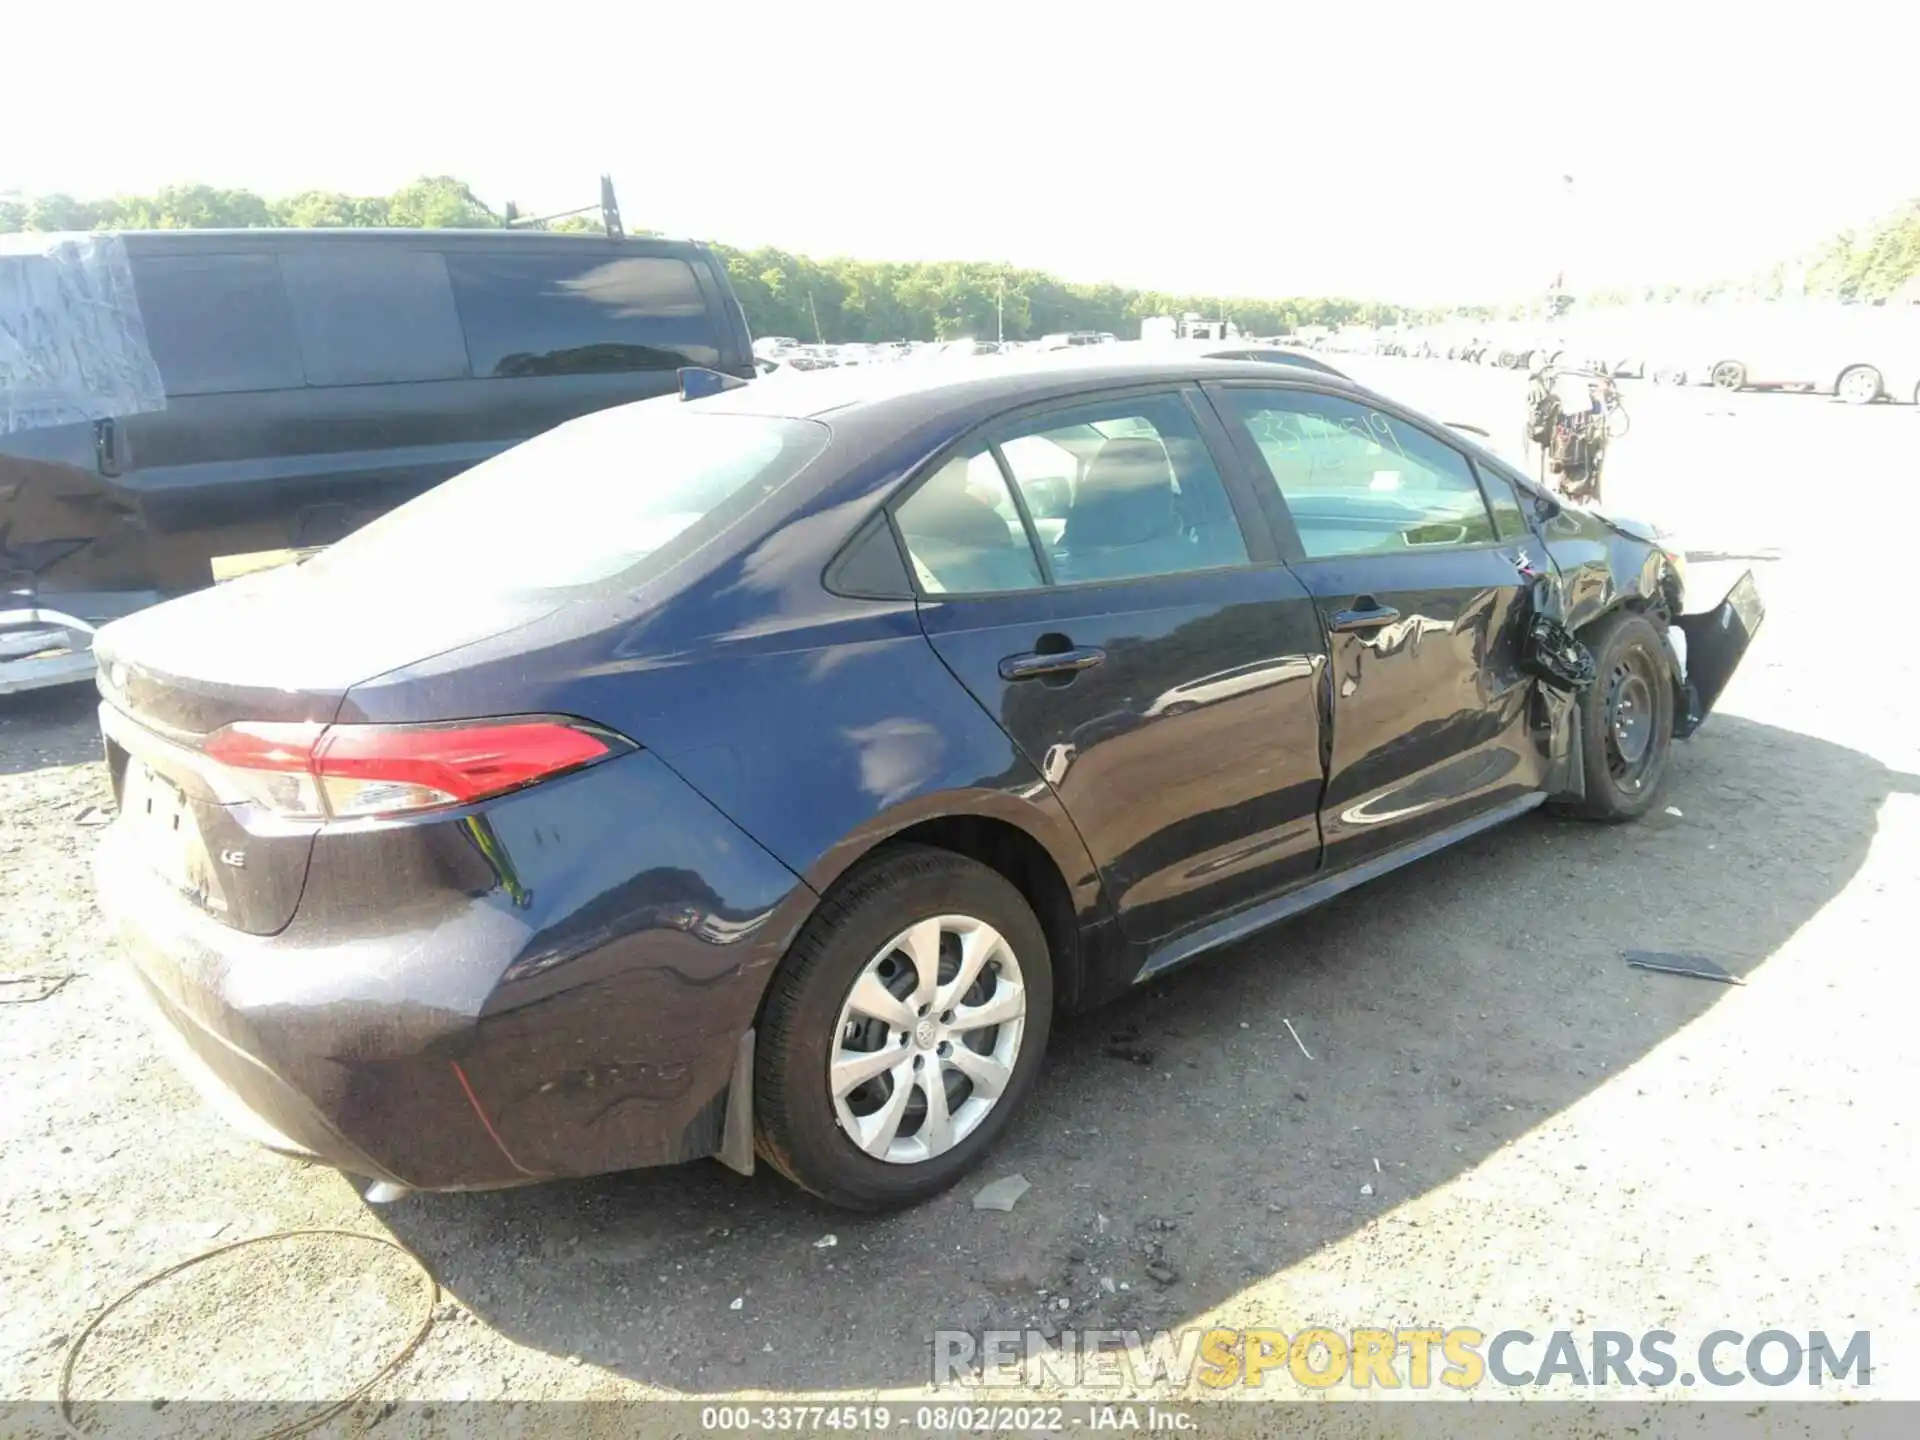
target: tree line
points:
(833, 300)
(842, 299)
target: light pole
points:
(1000, 312)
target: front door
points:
(1420, 589)
(1085, 574)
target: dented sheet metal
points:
(73, 348)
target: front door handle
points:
(1036, 663)
(1366, 616)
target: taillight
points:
(349, 772)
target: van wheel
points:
(903, 1031)
(1859, 385)
(1626, 718)
(1729, 375)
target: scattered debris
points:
(213, 1228)
(740, 1303)
(1694, 967)
(826, 1242)
(1132, 1054)
(1376, 1164)
(1674, 810)
(31, 988)
(1099, 1222)
(1002, 1194)
(1106, 1284)
(1161, 1273)
(1367, 1189)
(1296, 1038)
(93, 815)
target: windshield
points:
(619, 494)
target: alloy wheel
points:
(928, 1038)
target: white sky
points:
(1260, 148)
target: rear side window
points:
(218, 323)
(372, 314)
(1121, 490)
(591, 313)
(613, 497)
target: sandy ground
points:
(1501, 1125)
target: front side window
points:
(1359, 481)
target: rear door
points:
(1418, 583)
(1088, 573)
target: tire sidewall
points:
(831, 1163)
(1605, 799)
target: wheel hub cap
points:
(928, 1038)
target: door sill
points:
(1182, 948)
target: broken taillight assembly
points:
(364, 772)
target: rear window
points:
(590, 313)
(618, 495)
(218, 323)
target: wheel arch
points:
(1029, 844)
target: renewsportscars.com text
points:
(1461, 1358)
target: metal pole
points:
(818, 337)
(1000, 313)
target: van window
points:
(373, 314)
(218, 323)
(591, 313)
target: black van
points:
(170, 398)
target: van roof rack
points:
(608, 207)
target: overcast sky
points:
(1405, 152)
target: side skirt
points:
(1181, 948)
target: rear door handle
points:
(1034, 664)
(1364, 617)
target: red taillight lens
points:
(341, 772)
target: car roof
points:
(921, 389)
(264, 236)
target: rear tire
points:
(814, 1012)
(1859, 385)
(1729, 375)
(1625, 718)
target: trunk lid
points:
(279, 646)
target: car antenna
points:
(609, 208)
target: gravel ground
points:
(1501, 1124)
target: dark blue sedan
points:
(758, 775)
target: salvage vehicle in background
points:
(464, 853)
(170, 398)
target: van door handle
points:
(1035, 663)
(1364, 616)
(106, 447)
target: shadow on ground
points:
(43, 728)
(1448, 1008)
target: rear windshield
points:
(618, 495)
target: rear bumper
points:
(470, 1036)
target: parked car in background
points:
(464, 854)
(184, 396)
